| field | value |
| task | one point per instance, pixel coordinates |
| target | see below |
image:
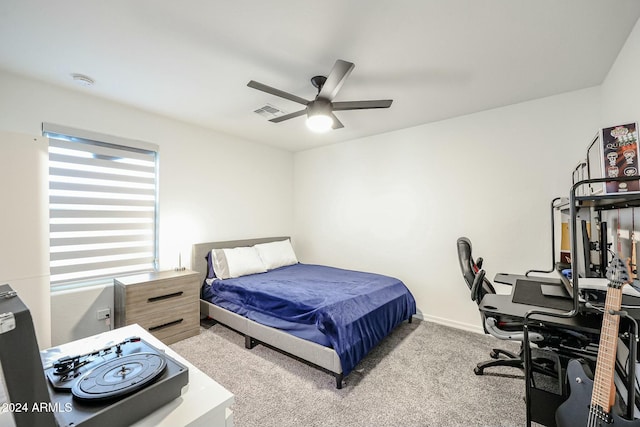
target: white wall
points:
(212, 186)
(396, 203)
(621, 87)
(24, 231)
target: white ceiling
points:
(437, 59)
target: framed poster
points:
(620, 157)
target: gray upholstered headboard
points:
(199, 251)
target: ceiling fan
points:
(319, 111)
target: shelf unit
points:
(578, 201)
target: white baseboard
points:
(454, 324)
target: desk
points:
(510, 279)
(203, 402)
(587, 322)
(542, 404)
(503, 305)
(499, 305)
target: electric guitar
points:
(634, 262)
(590, 402)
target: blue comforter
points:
(354, 310)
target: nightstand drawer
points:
(159, 295)
(183, 320)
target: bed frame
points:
(322, 357)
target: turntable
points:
(117, 384)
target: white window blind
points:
(102, 208)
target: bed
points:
(328, 317)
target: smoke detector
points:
(82, 80)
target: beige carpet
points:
(421, 375)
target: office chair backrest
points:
(472, 271)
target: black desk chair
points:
(503, 329)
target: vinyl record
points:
(119, 377)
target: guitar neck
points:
(603, 390)
(634, 262)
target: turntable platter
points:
(119, 377)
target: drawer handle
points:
(165, 325)
(167, 296)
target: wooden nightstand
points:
(165, 303)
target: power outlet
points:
(105, 313)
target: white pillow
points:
(276, 254)
(236, 262)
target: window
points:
(102, 206)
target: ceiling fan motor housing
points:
(320, 106)
(318, 82)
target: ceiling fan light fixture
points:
(319, 123)
(319, 117)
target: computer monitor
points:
(594, 164)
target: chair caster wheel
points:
(477, 370)
(494, 354)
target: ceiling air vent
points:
(269, 111)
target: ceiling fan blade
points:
(337, 124)
(336, 79)
(277, 92)
(288, 116)
(362, 105)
